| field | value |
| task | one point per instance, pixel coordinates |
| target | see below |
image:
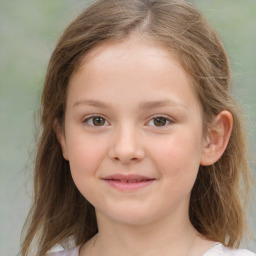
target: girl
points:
(142, 150)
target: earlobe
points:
(60, 134)
(217, 138)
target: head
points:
(176, 26)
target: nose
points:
(126, 146)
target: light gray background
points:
(28, 32)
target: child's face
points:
(133, 132)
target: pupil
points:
(160, 121)
(98, 121)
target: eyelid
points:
(168, 118)
(88, 117)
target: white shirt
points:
(220, 250)
(217, 250)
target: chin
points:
(131, 216)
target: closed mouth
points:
(128, 182)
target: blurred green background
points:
(28, 33)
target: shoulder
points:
(221, 250)
(66, 252)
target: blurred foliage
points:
(235, 21)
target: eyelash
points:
(168, 120)
(165, 118)
(87, 119)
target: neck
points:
(157, 238)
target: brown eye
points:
(160, 121)
(98, 121)
(95, 121)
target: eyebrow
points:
(158, 104)
(143, 105)
(94, 103)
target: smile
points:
(128, 182)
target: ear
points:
(217, 138)
(60, 133)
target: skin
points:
(118, 81)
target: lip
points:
(130, 182)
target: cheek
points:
(85, 158)
(85, 155)
(178, 156)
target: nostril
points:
(132, 159)
(126, 153)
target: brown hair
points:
(59, 211)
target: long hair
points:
(59, 211)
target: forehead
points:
(132, 49)
(132, 65)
